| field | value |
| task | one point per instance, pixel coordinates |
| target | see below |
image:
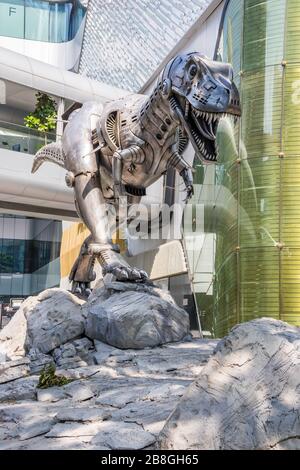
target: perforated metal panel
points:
(124, 42)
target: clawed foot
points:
(125, 273)
(81, 288)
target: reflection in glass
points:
(39, 20)
(29, 255)
(59, 21)
(22, 139)
(12, 18)
(36, 20)
(254, 210)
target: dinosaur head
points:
(202, 92)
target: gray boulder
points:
(246, 397)
(128, 315)
(44, 323)
(77, 353)
(12, 370)
(38, 360)
(19, 389)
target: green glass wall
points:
(255, 211)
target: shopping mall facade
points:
(243, 261)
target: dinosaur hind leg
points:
(91, 208)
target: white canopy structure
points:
(32, 73)
(43, 194)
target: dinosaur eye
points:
(192, 71)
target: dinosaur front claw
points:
(125, 273)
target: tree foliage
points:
(43, 118)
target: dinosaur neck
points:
(156, 115)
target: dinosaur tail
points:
(49, 153)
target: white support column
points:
(60, 124)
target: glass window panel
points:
(259, 278)
(78, 13)
(263, 33)
(263, 279)
(225, 295)
(292, 37)
(232, 37)
(7, 256)
(291, 111)
(5, 284)
(19, 251)
(290, 202)
(12, 18)
(290, 287)
(228, 141)
(17, 284)
(37, 20)
(59, 22)
(261, 119)
(259, 202)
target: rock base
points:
(246, 397)
(134, 316)
(122, 402)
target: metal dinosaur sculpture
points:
(122, 147)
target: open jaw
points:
(203, 127)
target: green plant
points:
(43, 118)
(49, 379)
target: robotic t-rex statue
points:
(124, 146)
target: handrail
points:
(23, 139)
(27, 130)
